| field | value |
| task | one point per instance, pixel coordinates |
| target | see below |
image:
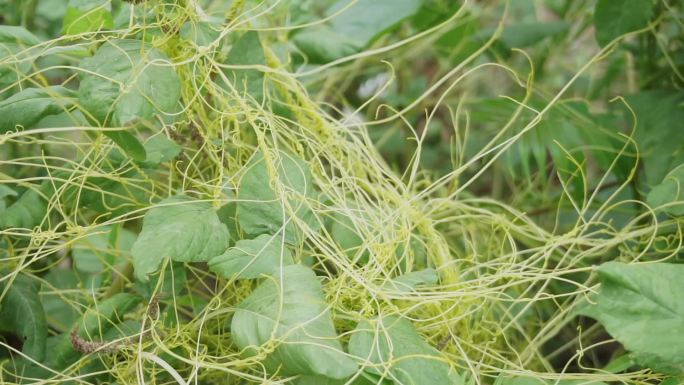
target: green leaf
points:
(87, 16)
(538, 381)
(129, 143)
(22, 312)
(642, 306)
(57, 299)
(261, 211)
(226, 215)
(614, 18)
(201, 33)
(410, 281)
(265, 254)
(160, 149)
(29, 210)
(345, 233)
(29, 106)
(658, 117)
(394, 349)
(128, 82)
(362, 379)
(5, 192)
(92, 326)
(179, 228)
(521, 35)
(173, 279)
(14, 44)
(247, 50)
(98, 253)
(106, 314)
(354, 29)
(322, 44)
(294, 324)
(673, 381)
(670, 190)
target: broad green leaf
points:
(538, 381)
(99, 251)
(92, 326)
(295, 323)
(345, 233)
(670, 190)
(395, 350)
(261, 211)
(115, 194)
(173, 279)
(179, 228)
(5, 192)
(251, 258)
(247, 50)
(56, 296)
(673, 381)
(361, 379)
(461, 41)
(201, 33)
(29, 210)
(226, 215)
(87, 16)
(104, 315)
(658, 120)
(29, 106)
(410, 281)
(17, 35)
(642, 306)
(22, 312)
(160, 149)
(128, 82)
(614, 18)
(521, 35)
(354, 29)
(323, 44)
(129, 143)
(14, 48)
(367, 19)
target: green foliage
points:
(247, 51)
(413, 280)
(537, 381)
(15, 41)
(670, 190)
(152, 88)
(179, 228)
(87, 16)
(22, 312)
(344, 232)
(201, 33)
(29, 106)
(252, 258)
(356, 27)
(393, 348)
(641, 306)
(92, 326)
(273, 195)
(523, 35)
(100, 251)
(160, 149)
(614, 18)
(29, 210)
(151, 84)
(288, 315)
(658, 117)
(445, 209)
